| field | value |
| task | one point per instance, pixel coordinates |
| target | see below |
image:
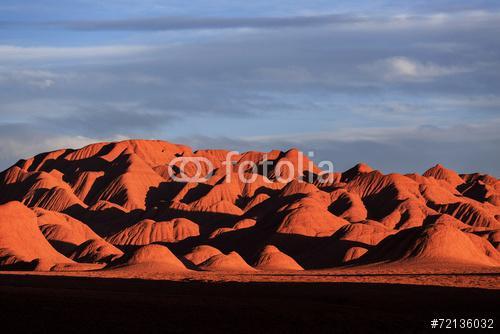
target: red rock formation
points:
(21, 242)
(77, 203)
(271, 258)
(148, 231)
(153, 258)
(222, 262)
(201, 253)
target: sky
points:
(400, 85)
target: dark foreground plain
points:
(49, 304)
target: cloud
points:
(406, 69)
(195, 23)
(12, 53)
(403, 150)
(343, 20)
(476, 132)
(412, 149)
(38, 78)
(109, 120)
(88, 119)
(357, 80)
(18, 140)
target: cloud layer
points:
(404, 89)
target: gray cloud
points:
(21, 140)
(413, 149)
(10, 53)
(313, 80)
(406, 69)
(195, 23)
(108, 120)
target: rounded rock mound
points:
(271, 258)
(222, 262)
(201, 253)
(152, 258)
(438, 243)
(148, 231)
(96, 250)
(21, 241)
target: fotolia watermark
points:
(201, 169)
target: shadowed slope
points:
(148, 231)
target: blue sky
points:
(400, 85)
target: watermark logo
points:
(200, 169)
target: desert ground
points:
(315, 302)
